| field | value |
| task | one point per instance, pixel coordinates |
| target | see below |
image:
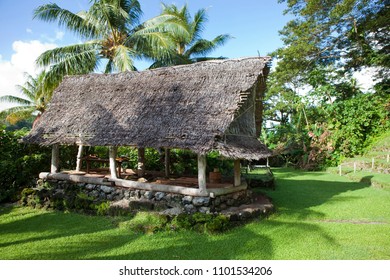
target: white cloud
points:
(22, 60)
(59, 35)
(29, 30)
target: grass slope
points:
(320, 216)
(377, 177)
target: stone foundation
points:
(166, 203)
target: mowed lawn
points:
(319, 216)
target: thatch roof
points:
(188, 107)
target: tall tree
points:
(342, 33)
(324, 44)
(111, 32)
(36, 94)
(188, 46)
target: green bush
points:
(102, 208)
(219, 223)
(200, 222)
(20, 164)
(83, 202)
(145, 222)
(182, 221)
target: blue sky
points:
(254, 24)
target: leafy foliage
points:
(317, 111)
(351, 32)
(19, 164)
(356, 121)
(334, 131)
(201, 222)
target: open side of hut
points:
(206, 106)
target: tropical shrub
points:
(20, 164)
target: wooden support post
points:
(112, 151)
(354, 167)
(202, 173)
(141, 162)
(388, 158)
(167, 162)
(237, 173)
(373, 164)
(79, 156)
(267, 162)
(55, 158)
(340, 169)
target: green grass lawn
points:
(319, 216)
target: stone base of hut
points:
(169, 200)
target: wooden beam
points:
(237, 173)
(167, 162)
(202, 173)
(112, 151)
(141, 162)
(141, 186)
(79, 156)
(76, 178)
(55, 158)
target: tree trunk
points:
(141, 162)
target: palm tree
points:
(112, 34)
(189, 47)
(37, 93)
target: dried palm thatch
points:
(202, 107)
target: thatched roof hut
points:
(201, 107)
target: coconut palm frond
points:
(122, 59)
(197, 25)
(14, 100)
(15, 116)
(67, 67)
(78, 53)
(204, 47)
(169, 24)
(109, 67)
(65, 18)
(108, 16)
(133, 9)
(37, 93)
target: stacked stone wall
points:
(168, 203)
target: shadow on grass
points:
(297, 191)
(188, 245)
(255, 241)
(55, 235)
(5, 209)
(367, 180)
